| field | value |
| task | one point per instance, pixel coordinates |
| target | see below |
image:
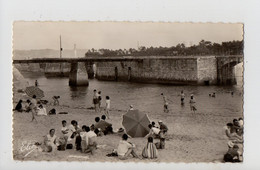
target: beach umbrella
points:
(136, 123)
(32, 90)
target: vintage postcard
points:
(128, 92)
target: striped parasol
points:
(32, 90)
(136, 123)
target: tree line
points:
(203, 48)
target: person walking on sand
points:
(33, 107)
(182, 98)
(95, 100)
(165, 106)
(107, 106)
(192, 103)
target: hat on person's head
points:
(131, 106)
(160, 121)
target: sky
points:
(119, 35)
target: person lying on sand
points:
(126, 148)
(150, 150)
(41, 111)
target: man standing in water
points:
(165, 106)
(95, 100)
(192, 103)
(36, 83)
(182, 98)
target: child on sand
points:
(107, 106)
(192, 104)
(150, 150)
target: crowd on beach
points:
(85, 138)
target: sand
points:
(193, 137)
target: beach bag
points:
(63, 113)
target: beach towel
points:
(150, 151)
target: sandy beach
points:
(192, 137)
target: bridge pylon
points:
(78, 74)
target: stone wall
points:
(181, 70)
(207, 70)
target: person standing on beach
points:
(99, 101)
(182, 98)
(95, 100)
(36, 83)
(192, 103)
(107, 106)
(165, 106)
(33, 107)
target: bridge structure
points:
(200, 70)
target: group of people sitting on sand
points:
(84, 138)
(234, 132)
